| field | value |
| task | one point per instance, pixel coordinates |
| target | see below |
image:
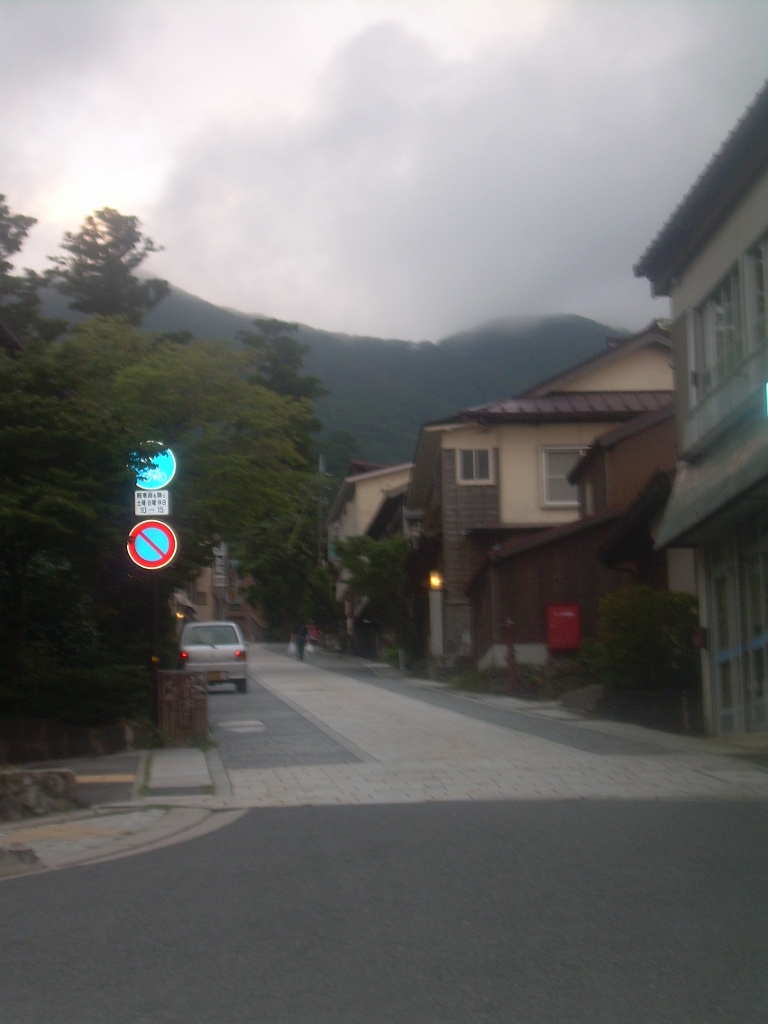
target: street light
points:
(435, 581)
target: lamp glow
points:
(435, 581)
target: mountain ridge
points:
(382, 389)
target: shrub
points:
(392, 656)
(646, 639)
(81, 696)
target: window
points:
(727, 347)
(731, 324)
(719, 344)
(755, 281)
(475, 466)
(209, 636)
(558, 463)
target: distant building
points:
(368, 502)
(623, 483)
(360, 498)
(711, 259)
(219, 593)
(498, 474)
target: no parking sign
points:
(152, 544)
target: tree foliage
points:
(98, 271)
(20, 293)
(279, 357)
(338, 450)
(70, 419)
(283, 557)
(646, 638)
(376, 570)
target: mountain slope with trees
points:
(381, 390)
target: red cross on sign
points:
(152, 544)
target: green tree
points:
(237, 442)
(376, 570)
(97, 272)
(70, 419)
(19, 294)
(279, 357)
(283, 557)
(65, 473)
(338, 449)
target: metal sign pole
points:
(155, 645)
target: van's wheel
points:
(242, 685)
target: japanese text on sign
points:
(152, 503)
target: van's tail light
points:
(242, 655)
(184, 655)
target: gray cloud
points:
(420, 196)
(375, 179)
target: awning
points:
(727, 484)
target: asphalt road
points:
(516, 912)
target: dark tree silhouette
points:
(20, 319)
(278, 357)
(97, 274)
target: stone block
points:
(25, 793)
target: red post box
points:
(563, 627)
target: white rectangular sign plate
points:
(219, 575)
(152, 503)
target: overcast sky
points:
(405, 169)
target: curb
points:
(179, 823)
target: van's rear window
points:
(216, 635)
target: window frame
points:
(475, 482)
(709, 368)
(580, 450)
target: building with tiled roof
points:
(499, 472)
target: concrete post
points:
(436, 645)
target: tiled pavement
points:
(416, 751)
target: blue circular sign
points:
(158, 473)
(152, 544)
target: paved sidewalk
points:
(414, 751)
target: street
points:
(411, 855)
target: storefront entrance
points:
(737, 570)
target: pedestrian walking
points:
(300, 639)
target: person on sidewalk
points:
(300, 639)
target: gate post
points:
(182, 704)
(512, 680)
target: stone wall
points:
(24, 793)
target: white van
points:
(218, 649)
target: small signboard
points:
(219, 575)
(152, 503)
(152, 544)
